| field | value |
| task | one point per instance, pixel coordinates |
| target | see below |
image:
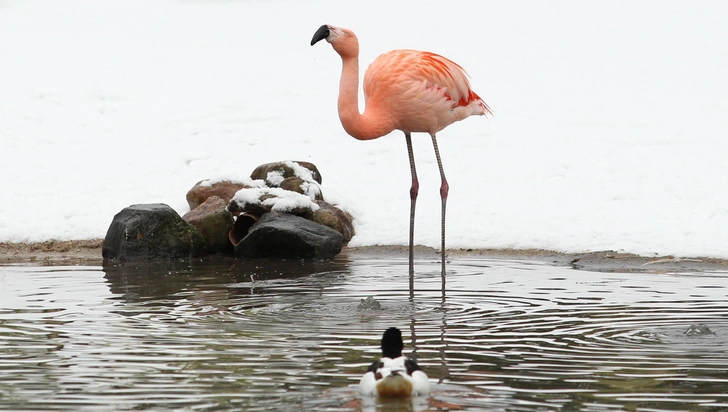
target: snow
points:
(281, 201)
(245, 180)
(609, 130)
(275, 178)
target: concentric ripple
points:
(269, 335)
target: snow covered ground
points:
(610, 127)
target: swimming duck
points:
(394, 375)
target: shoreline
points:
(88, 252)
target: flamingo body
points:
(422, 91)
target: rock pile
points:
(279, 212)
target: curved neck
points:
(369, 125)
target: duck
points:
(394, 375)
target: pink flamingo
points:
(407, 90)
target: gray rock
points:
(282, 235)
(370, 304)
(151, 232)
(698, 329)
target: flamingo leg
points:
(444, 189)
(414, 190)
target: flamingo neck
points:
(367, 126)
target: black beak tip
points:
(322, 33)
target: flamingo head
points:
(344, 41)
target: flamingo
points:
(394, 376)
(407, 90)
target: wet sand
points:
(88, 252)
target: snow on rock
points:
(245, 181)
(274, 199)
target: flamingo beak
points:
(322, 33)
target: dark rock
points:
(286, 169)
(203, 189)
(214, 223)
(335, 218)
(282, 235)
(149, 232)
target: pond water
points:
(269, 335)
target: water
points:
(266, 335)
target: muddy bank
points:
(88, 252)
(52, 252)
(602, 261)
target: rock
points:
(149, 232)
(370, 304)
(699, 329)
(294, 184)
(335, 218)
(282, 235)
(291, 176)
(214, 223)
(298, 185)
(286, 169)
(202, 190)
